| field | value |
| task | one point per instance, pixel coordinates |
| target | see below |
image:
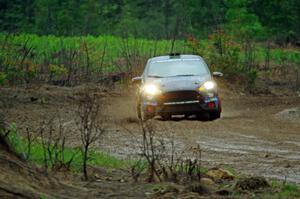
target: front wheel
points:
(166, 116)
(142, 113)
(214, 115)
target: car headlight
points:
(151, 90)
(208, 86)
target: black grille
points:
(178, 96)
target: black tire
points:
(214, 115)
(187, 116)
(203, 116)
(166, 116)
(142, 114)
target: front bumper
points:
(191, 106)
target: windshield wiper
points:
(186, 75)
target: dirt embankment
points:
(256, 135)
(20, 179)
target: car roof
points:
(168, 57)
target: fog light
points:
(150, 109)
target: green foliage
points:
(20, 146)
(2, 78)
(56, 70)
(205, 16)
(284, 190)
(14, 139)
(57, 56)
(235, 28)
(241, 23)
(280, 17)
(224, 54)
(16, 61)
(159, 19)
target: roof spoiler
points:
(174, 55)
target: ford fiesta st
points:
(177, 85)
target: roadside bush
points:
(28, 57)
(46, 146)
(164, 161)
(4, 144)
(2, 78)
(224, 54)
(56, 71)
(90, 118)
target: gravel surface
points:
(256, 135)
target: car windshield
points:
(177, 67)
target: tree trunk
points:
(85, 157)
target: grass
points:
(29, 57)
(277, 190)
(96, 158)
(106, 160)
(46, 47)
(284, 190)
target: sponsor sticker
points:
(150, 103)
(183, 102)
(210, 99)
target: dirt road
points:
(256, 135)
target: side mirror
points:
(218, 74)
(136, 80)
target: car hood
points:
(168, 84)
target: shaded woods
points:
(156, 19)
